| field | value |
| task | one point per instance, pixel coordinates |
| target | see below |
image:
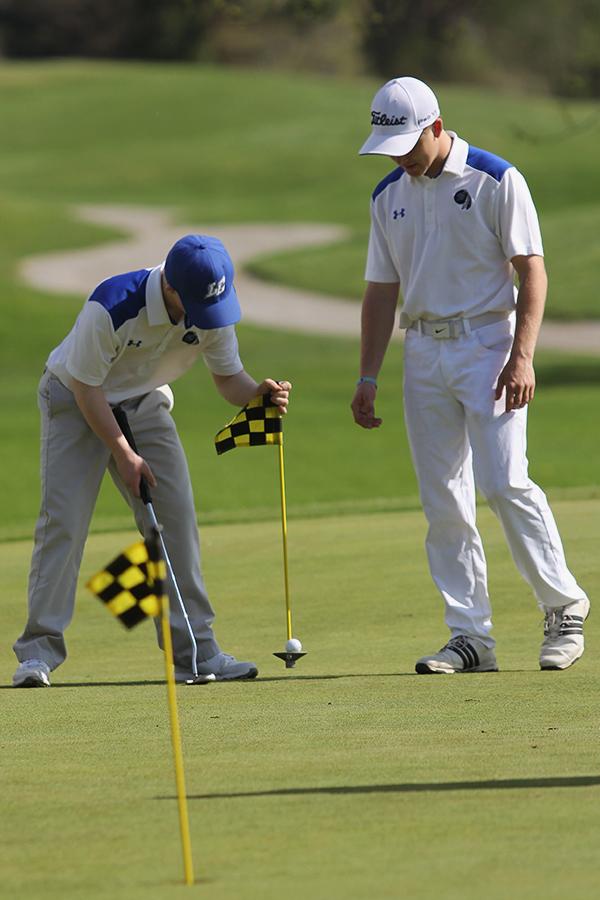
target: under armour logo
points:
(190, 338)
(134, 343)
(463, 198)
(399, 213)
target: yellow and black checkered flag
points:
(131, 585)
(258, 423)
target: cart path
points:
(151, 232)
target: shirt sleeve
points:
(380, 265)
(518, 225)
(94, 347)
(220, 351)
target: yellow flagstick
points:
(288, 610)
(184, 825)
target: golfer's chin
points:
(415, 170)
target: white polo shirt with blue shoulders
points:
(449, 240)
(124, 341)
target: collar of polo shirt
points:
(155, 304)
(457, 158)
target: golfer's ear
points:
(437, 127)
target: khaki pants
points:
(73, 463)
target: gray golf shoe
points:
(563, 642)
(221, 667)
(32, 673)
(460, 654)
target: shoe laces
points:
(552, 621)
(459, 641)
(559, 623)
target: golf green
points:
(346, 777)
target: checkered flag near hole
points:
(258, 423)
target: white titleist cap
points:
(401, 109)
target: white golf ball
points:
(293, 645)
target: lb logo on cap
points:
(215, 289)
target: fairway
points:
(348, 777)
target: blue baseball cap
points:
(200, 269)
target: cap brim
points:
(224, 310)
(390, 144)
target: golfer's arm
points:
(95, 409)
(531, 299)
(237, 389)
(377, 323)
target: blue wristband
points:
(367, 379)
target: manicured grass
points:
(346, 777)
(230, 145)
(331, 465)
(221, 146)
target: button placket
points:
(171, 335)
(430, 217)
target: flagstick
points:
(284, 537)
(184, 825)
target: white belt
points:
(442, 329)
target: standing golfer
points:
(135, 333)
(450, 226)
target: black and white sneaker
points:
(563, 635)
(460, 654)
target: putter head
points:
(201, 679)
(289, 658)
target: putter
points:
(123, 423)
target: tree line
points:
(552, 45)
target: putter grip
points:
(123, 423)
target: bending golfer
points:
(135, 333)
(452, 225)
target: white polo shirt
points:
(449, 240)
(124, 341)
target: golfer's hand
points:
(363, 406)
(279, 392)
(132, 468)
(518, 380)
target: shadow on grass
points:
(264, 680)
(432, 787)
(213, 684)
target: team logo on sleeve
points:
(463, 198)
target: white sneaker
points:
(222, 667)
(32, 673)
(460, 654)
(563, 635)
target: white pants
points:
(461, 437)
